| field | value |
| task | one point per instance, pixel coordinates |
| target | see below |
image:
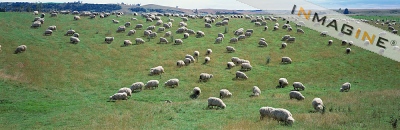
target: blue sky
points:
(233, 4)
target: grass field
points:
(58, 85)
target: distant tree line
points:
(47, 7)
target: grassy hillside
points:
(58, 85)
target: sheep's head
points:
(211, 75)
(290, 120)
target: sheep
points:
(262, 43)
(296, 95)
(207, 25)
(163, 40)
(74, 40)
(348, 50)
(265, 28)
(221, 35)
(178, 41)
(246, 66)
(263, 39)
(230, 65)
(241, 37)
(283, 45)
(109, 39)
(127, 42)
(35, 12)
(299, 30)
(119, 96)
(48, 32)
(139, 26)
(256, 91)
(208, 52)
(200, 34)
(192, 59)
(224, 93)
(196, 54)
(284, 38)
(180, 63)
(218, 40)
(149, 20)
(126, 90)
(345, 87)
(205, 77)
(172, 83)
(257, 23)
(286, 60)
(276, 28)
(289, 29)
(121, 29)
(181, 30)
(266, 112)
(318, 105)
(323, 33)
(151, 84)
(159, 70)
(298, 85)
(153, 34)
(127, 24)
(206, 60)
(159, 22)
(330, 42)
(21, 48)
(350, 43)
(291, 39)
(139, 41)
(230, 49)
(131, 32)
(166, 25)
(394, 31)
(283, 82)
(187, 61)
(77, 17)
(137, 86)
(247, 34)
(36, 24)
(52, 28)
(240, 61)
(282, 115)
(213, 101)
(70, 32)
(167, 34)
(185, 35)
(241, 75)
(235, 59)
(196, 92)
(0, 48)
(161, 29)
(344, 42)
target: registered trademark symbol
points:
(393, 42)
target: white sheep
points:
(221, 35)
(162, 39)
(180, 63)
(318, 105)
(52, 27)
(167, 34)
(21, 48)
(262, 43)
(284, 38)
(283, 82)
(196, 91)
(70, 32)
(139, 41)
(76, 35)
(151, 84)
(139, 26)
(119, 96)
(137, 86)
(330, 42)
(191, 58)
(127, 24)
(224, 93)
(266, 112)
(241, 37)
(345, 87)
(131, 32)
(256, 91)
(74, 40)
(48, 32)
(233, 40)
(178, 41)
(109, 39)
(206, 60)
(157, 71)
(186, 35)
(246, 66)
(235, 59)
(172, 83)
(218, 40)
(127, 42)
(348, 50)
(344, 42)
(282, 115)
(196, 54)
(230, 49)
(291, 39)
(296, 95)
(298, 85)
(286, 60)
(205, 77)
(126, 90)
(187, 61)
(208, 52)
(299, 30)
(283, 45)
(241, 75)
(213, 101)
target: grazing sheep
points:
(205, 77)
(137, 86)
(180, 63)
(241, 61)
(121, 29)
(348, 50)
(151, 84)
(235, 59)
(163, 40)
(185, 35)
(76, 35)
(257, 23)
(266, 28)
(35, 12)
(115, 21)
(345, 87)
(192, 59)
(74, 40)
(52, 28)
(187, 61)
(283, 45)
(286, 60)
(221, 35)
(166, 25)
(161, 29)
(48, 32)
(127, 24)
(284, 38)
(350, 43)
(291, 39)
(318, 105)
(196, 54)
(119, 96)
(246, 66)
(289, 29)
(200, 34)
(224, 93)
(299, 30)
(263, 39)
(323, 33)
(283, 82)
(159, 22)
(298, 85)
(276, 28)
(159, 70)
(21, 48)
(36, 24)
(230, 65)
(196, 91)
(208, 52)
(139, 40)
(262, 43)
(153, 34)
(167, 34)
(344, 42)
(266, 112)
(127, 42)
(69, 32)
(126, 90)
(296, 95)
(178, 41)
(230, 49)
(241, 75)
(77, 17)
(131, 32)
(139, 26)
(218, 40)
(213, 101)
(172, 83)
(207, 25)
(241, 37)
(247, 34)
(109, 39)
(282, 115)
(330, 42)
(206, 60)
(256, 91)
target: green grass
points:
(58, 85)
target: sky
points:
(236, 5)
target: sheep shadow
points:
(194, 96)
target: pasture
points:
(59, 85)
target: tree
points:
(346, 11)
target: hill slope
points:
(58, 85)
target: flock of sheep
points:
(279, 114)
